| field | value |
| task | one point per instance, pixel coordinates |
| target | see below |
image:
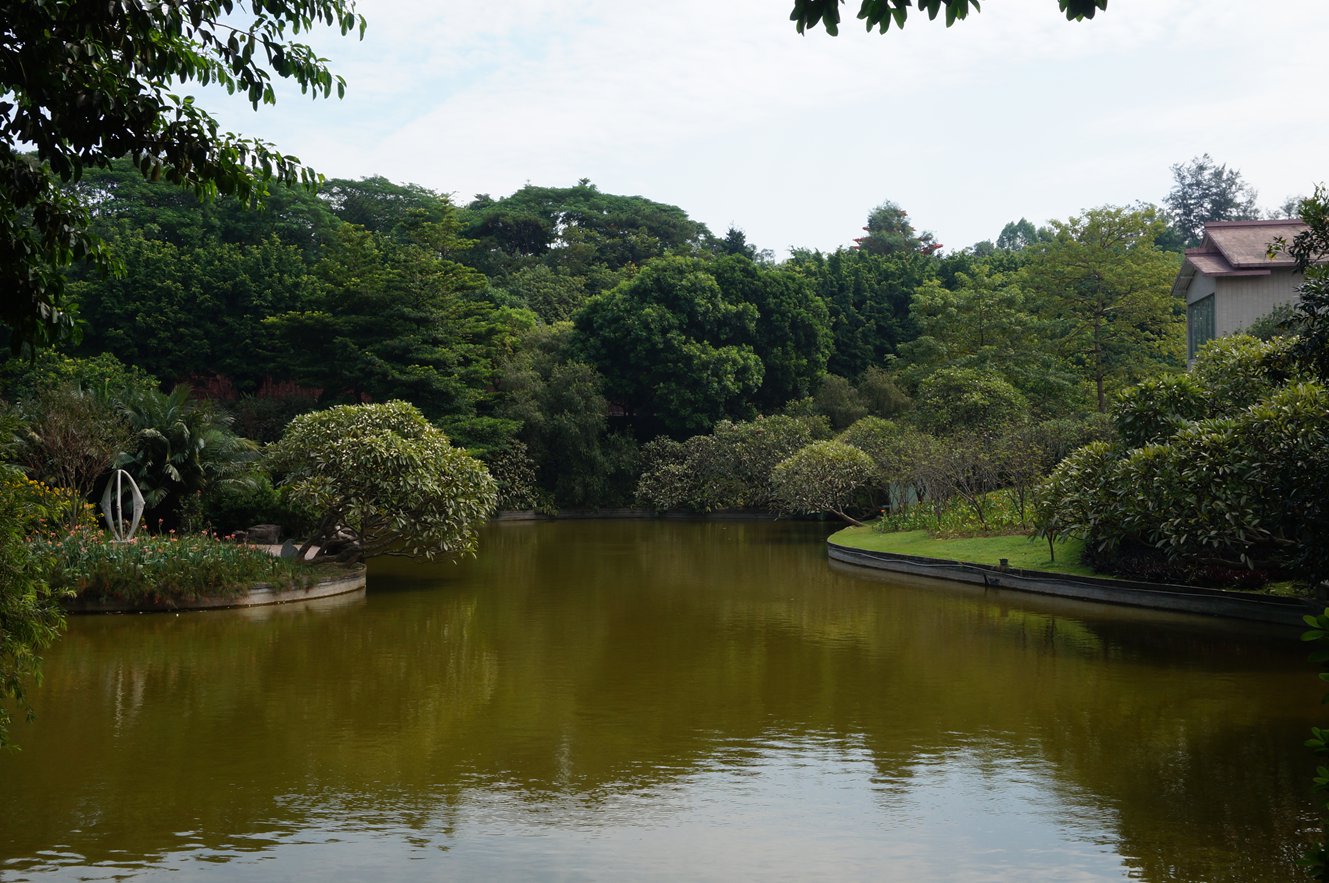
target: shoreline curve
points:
(1106, 590)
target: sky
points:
(722, 108)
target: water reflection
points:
(648, 699)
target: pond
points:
(663, 700)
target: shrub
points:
(1238, 371)
(162, 569)
(825, 476)
(953, 400)
(233, 506)
(386, 477)
(42, 507)
(956, 518)
(1154, 411)
(30, 615)
(727, 469)
(514, 472)
(70, 438)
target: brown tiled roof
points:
(1237, 248)
(1244, 245)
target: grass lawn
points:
(1019, 551)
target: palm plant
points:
(180, 449)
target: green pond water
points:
(654, 700)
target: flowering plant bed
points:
(161, 569)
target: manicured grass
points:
(1020, 551)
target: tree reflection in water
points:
(666, 699)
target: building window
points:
(1199, 324)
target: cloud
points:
(724, 109)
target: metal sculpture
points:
(113, 507)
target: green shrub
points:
(1238, 371)
(234, 506)
(727, 469)
(1154, 411)
(956, 517)
(30, 614)
(825, 476)
(386, 477)
(953, 400)
(166, 569)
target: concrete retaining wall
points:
(1156, 596)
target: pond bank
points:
(258, 596)
(1156, 596)
(626, 513)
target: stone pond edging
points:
(259, 596)
(634, 513)
(1155, 596)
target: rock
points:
(263, 534)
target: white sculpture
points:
(113, 508)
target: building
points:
(1230, 280)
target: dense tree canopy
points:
(87, 84)
(674, 346)
(1107, 289)
(868, 297)
(576, 228)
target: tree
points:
(85, 84)
(560, 407)
(894, 448)
(1107, 289)
(385, 477)
(575, 229)
(889, 231)
(1203, 191)
(881, 394)
(179, 450)
(882, 13)
(1021, 234)
(397, 320)
(792, 336)
(838, 401)
(955, 400)
(868, 298)
(552, 295)
(181, 311)
(70, 439)
(382, 206)
(674, 347)
(1309, 248)
(825, 476)
(729, 468)
(983, 321)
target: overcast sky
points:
(720, 107)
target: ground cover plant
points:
(160, 569)
(1020, 551)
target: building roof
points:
(1245, 244)
(1238, 248)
